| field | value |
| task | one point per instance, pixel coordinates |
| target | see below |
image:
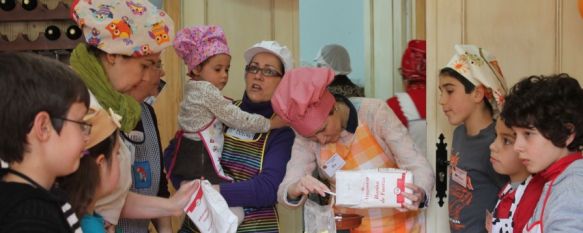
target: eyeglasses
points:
(85, 127)
(267, 72)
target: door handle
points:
(441, 164)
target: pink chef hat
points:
(196, 44)
(302, 99)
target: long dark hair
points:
(82, 184)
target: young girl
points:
(545, 112)
(98, 171)
(515, 199)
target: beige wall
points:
(529, 37)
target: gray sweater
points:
(563, 211)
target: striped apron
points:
(242, 160)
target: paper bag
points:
(372, 188)
(209, 210)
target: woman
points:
(334, 126)
(124, 42)
(255, 161)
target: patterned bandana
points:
(130, 27)
(481, 68)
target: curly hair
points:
(551, 104)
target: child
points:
(506, 216)
(43, 136)
(98, 172)
(545, 112)
(471, 85)
(205, 52)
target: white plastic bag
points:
(372, 188)
(319, 218)
(209, 210)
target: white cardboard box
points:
(372, 188)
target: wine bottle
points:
(7, 5)
(74, 32)
(29, 4)
(52, 32)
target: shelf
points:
(40, 13)
(23, 43)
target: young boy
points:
(470, 86)
(506, 216)
(546, 114)
(42, 137)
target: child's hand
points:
(277, 122)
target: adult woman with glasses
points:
(121, 54)
(256, 162)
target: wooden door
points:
(529, 37)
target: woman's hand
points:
(416, 197)
(306, 185)
(181, 198)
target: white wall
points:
(333, 21)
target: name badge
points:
(460, 176)
(240, 134)
(333, 164)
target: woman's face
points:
(330, 131)
(260, 88)
(125, 73)
(149, 85)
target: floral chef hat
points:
(129, 27)
(481, 68)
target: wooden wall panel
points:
(246, 24)
(520, 33)
(571, 38)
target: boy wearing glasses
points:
(43, 137)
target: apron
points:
(506, 224)
(242, 160)
(211, 137)
(146, 169)
(364, 152)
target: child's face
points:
(215, 71)
(456, 104)
(503, 157)
(109, 173)
(66, 148)
(535, 151)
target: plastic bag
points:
(319, 218)
(209, 210)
